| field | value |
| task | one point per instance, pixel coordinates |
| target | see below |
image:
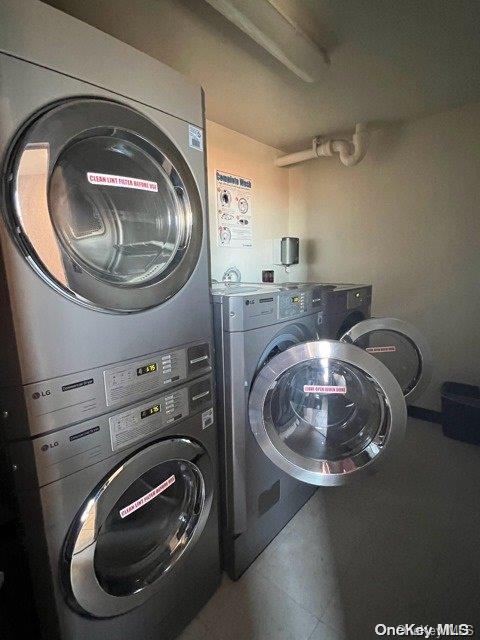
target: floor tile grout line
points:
(328, 626)
(314, 629)
(270, 583)
(340, 573)
(289, 595)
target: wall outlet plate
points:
(267, 275)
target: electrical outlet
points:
(267, 276)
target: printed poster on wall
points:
(234, 210)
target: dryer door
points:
(104, 206)
(325, 411)
(400, 346)
(136, 526)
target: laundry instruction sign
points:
(148, 497)
(109, 180)
(234, 210)
(389, 349)
(324, 388)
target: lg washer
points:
(120, 518)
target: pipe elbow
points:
(350, 153)
(360, 145)
(344, 150)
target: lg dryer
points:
(298, 411)
(104, 265)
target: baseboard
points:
(425, 414)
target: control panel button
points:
(139, 378)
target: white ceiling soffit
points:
(269, 25)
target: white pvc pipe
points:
(294, 158)
(350, 153)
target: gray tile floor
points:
(400, 546)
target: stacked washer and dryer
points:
(312, 392)
(106, 389)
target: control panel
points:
(247, 306)
(358, 297)
(250, 310)
(58, 402)
(135, 424)
(144, 376)
(292, 304)
(345, 297)
(76, 447)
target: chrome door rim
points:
(410, 332)
(83, 583)
(98, 114)
(326, 472)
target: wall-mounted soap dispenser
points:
(286, 251)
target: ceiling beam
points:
(270, 27)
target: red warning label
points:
(381, 349)
(141, 502)
(321, 388)
(108, 180)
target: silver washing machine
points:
(103, 228)
(299, 405)
(120, 516)
(400, 346)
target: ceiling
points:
(390, 60)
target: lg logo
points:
(47, 447)
(41, 394)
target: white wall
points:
(235, 153)
(407, 220)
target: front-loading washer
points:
(103, 230)
(302, 404)
(120, 516)
(400, 346)
(253, 323)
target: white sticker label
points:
(141, 502)
(320, 388)
(195, 137)
(207, 418)
(381, 349)
(108, 180)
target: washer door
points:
(104, 206)
(325, 411)
(400, 346)
(286, 338)
(136, 526)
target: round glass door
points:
(323, 411)
(104, 205)
(401, 348)
(292, 335)
(137, 526)
(148, 527)
(125, 236)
